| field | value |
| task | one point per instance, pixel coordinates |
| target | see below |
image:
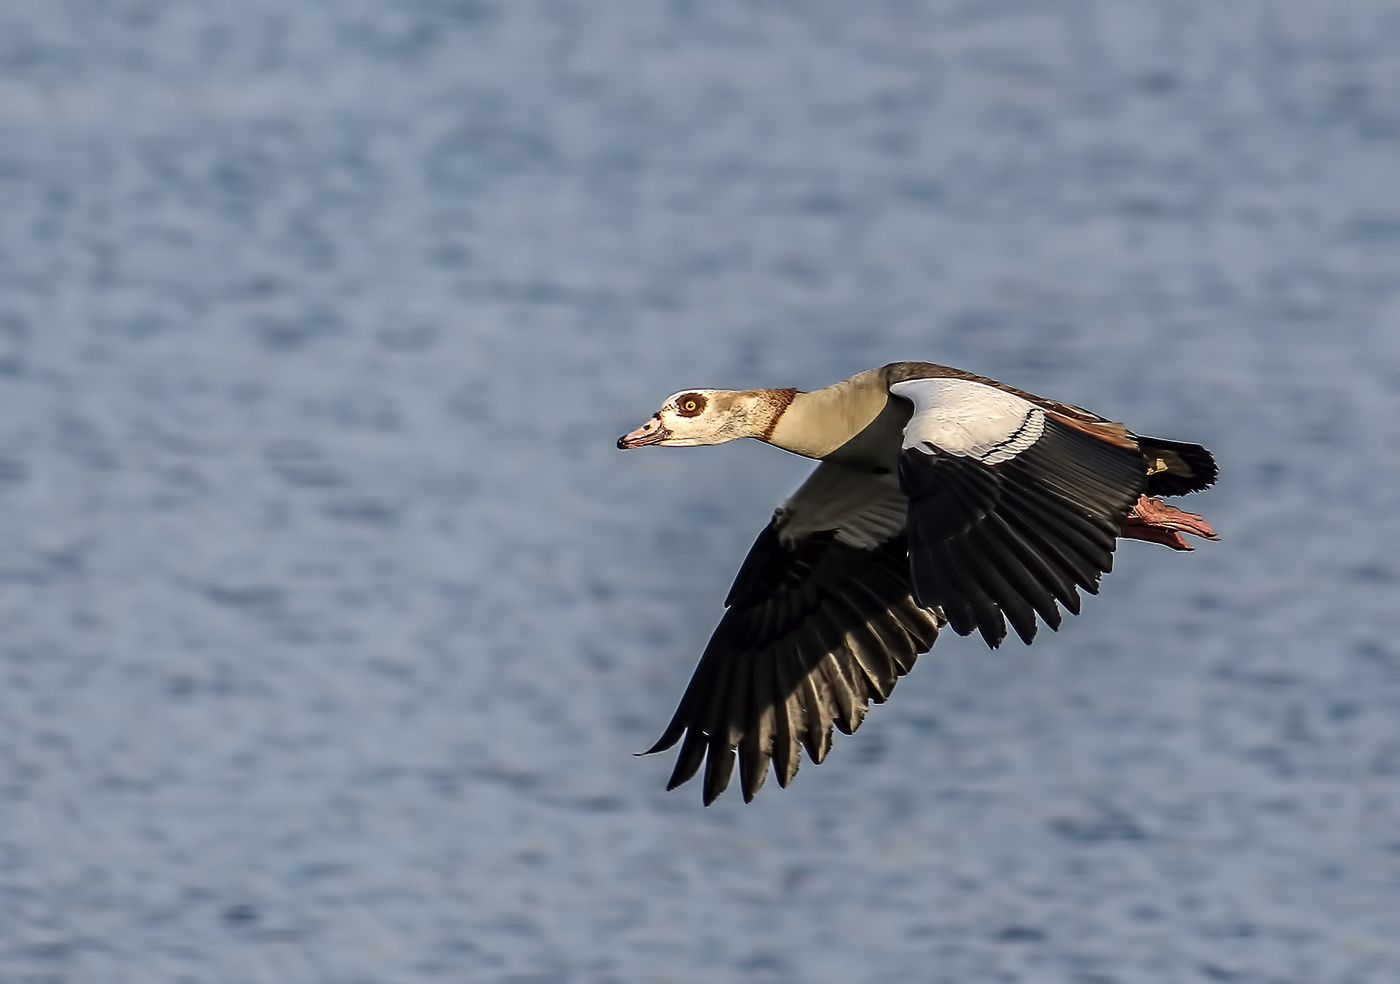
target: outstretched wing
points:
(821, 620)
(1012, 507)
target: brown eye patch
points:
(690, 404)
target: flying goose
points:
(942, 497)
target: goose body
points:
(942, 498)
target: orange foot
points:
(1155, 521)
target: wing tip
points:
(662, 743)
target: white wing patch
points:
(864, 509)
(968, 419)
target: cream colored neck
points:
(817, 423)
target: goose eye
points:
(690, 405)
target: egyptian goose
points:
(942, 497)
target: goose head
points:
(707, 416)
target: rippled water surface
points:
(332, 617)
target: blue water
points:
(332, 616)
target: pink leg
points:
(1155, 521)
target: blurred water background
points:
(332, 617)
